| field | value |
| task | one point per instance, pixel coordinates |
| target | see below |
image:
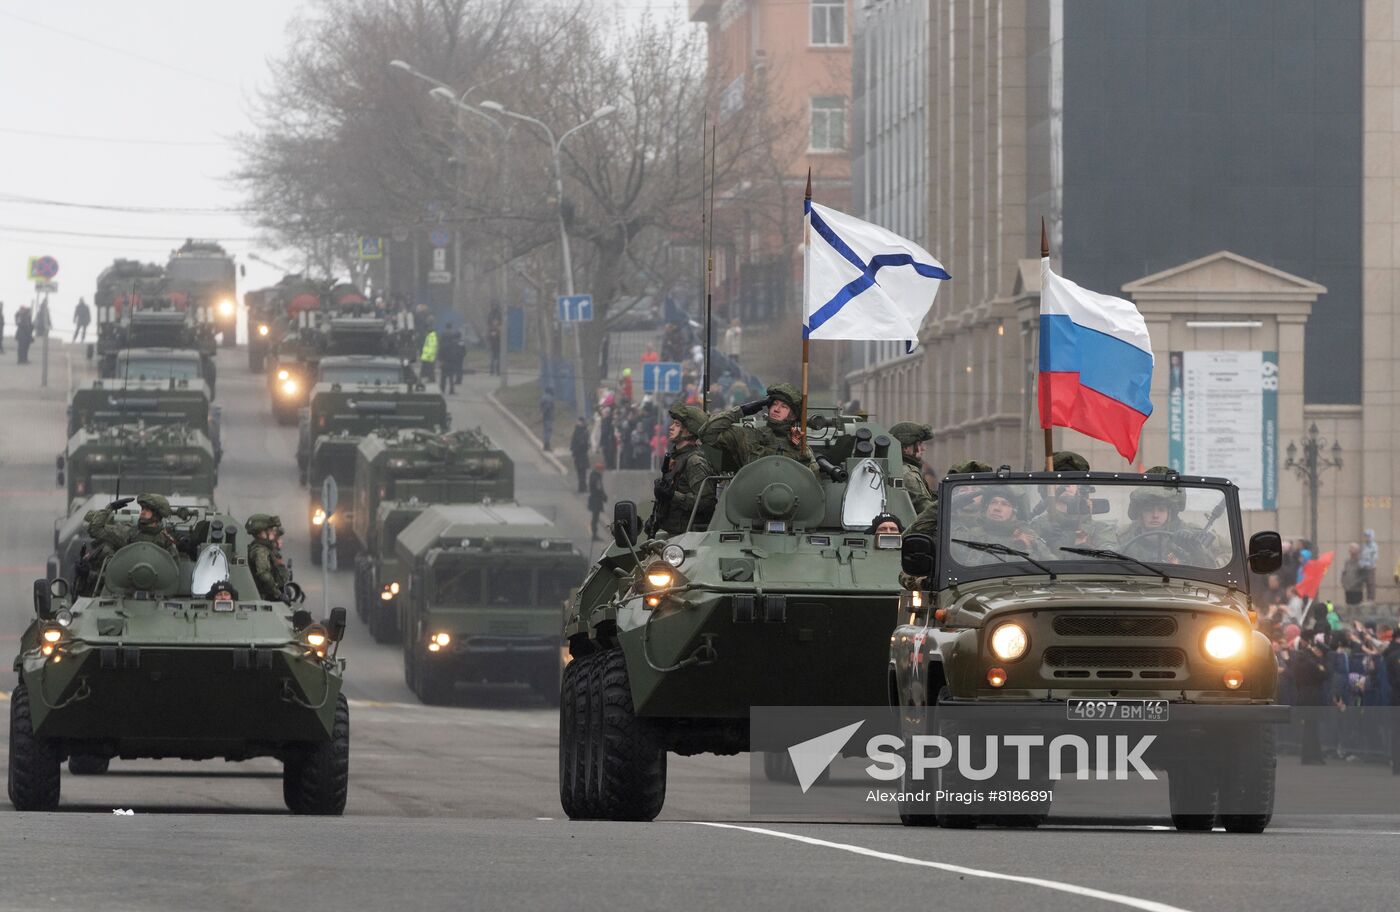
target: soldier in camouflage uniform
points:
(927, 521)
(265, 556)
(1063, 518)
(741, 444)
(107, 537)
(151, 526)
(1156, 531)
(683, 477)
(911, 437)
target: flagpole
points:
(1049, 428)
(806, 255)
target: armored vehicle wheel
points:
(362, 587)
(35, 766)
(573, 720)
(383, 625)
(317, 780)
(432, 687)
(1190, 795)
(88, 765)
(913, 815)
(408, 664)
(628, 775)
(777, 767)
(1247, 781)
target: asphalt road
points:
(457, 807)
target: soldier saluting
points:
(780, 435)
(683, 476)
(265, 556)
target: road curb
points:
(524, 428)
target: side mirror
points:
(625, 523)
(1265, 552)
(301, 619)
(335, 627)
(916, 554)
(42, 600)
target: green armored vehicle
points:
(344, 373)
(1066, 603)
(164, 459)
(482, 596)
(291, 295)
(398, 474)
(340, 416)
(203, 271)
(161, 321)
(787, 598)
(153, 363)
(120, 286)
(179, 658)
(183, 402)
(71, 541)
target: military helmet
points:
(1070, 461)
(1173, 499)
(1159, 470)
(691, 417)
(261, 522)
(1010, 494)
(911, 433)
(156, 503)
(969, 466)
(786, 392)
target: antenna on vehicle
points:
(704, 250)
(121, 409)
(710, 272)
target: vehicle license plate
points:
(1117, 710)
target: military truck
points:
(118, 286)
(481, 598)
(1066, 602)
(787, 598)
(205, 272)
(398, 474)
(163, 459)
(70, 537)
(183, 401)
(266, 306)
(342, 384)
(340, 416)
(160, 322)
(179, 658)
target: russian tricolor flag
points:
(1095, 363)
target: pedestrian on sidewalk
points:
(546, 417)
(1370, 557)
(578, 448)
(493, 336)
(82, 316)
(1353, 577)
(427, 357)
(453, 354)
(24, 333)
(597, 499)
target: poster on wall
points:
(1222, 420)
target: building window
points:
(828, 124)
(828, 23)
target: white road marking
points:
(1074, 889)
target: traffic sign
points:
(661, 377)
(439, 277)
(575, 308)
(371, 248)
(46, 287)
(440, 237)
(42, 268)
(439, 259)
(330, 495)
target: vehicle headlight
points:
(1223, 641)
(262, 329)
(226, 308)
(442, 639)
(52, 634)
(289, 387)
(1009, 642)
(394, 587)
(315, 636)
(673, 555)
(319, 517)
(283, 374)
(659, 576)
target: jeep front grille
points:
(1105, 625)
(1124, 657)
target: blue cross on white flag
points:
(863, 282)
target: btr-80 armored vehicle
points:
(787, 598)
(165, 459)
(181, 659)
(182, 402)
(339, 417)
(1078, 604)
(482, 596)
(398, 474)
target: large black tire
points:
(362, 586)
(383, 624)
(1247, 780)
(35, 765)
(88, 765)
(1188, 804)
(317, 780)
(629, 772)
(430, 685)
(777, 767)
(573, 739)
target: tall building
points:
(1233, 167)
(798, 54)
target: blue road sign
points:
(575, 308)
(440, 237)
(661, 377)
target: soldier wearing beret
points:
(265, 556)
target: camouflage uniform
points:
(742, 444)
(684, 480)
(107, 538)
(154, 530)
(927, 521)
(265, 558)
(1015, 532)
(910, 435)
(1069, 461)
(1174, 542)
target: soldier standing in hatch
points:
(927, 520)
(781, 436)
(683, 481)
(265, 556)
(150, 525)
(911, 437)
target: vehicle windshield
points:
(202, 269)
(361, 373)
(459, 582)
(1155, 524)
(158, 369)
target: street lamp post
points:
(1315, 460)
(581, 403)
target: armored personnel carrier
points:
(398, 474)
(266, 306)
(70, 538)
(787, 598)
(1089, 603)
(481, 600)
(164, 459)
(205, 272)
(179, 658)
(184, 402)
(339, 417)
